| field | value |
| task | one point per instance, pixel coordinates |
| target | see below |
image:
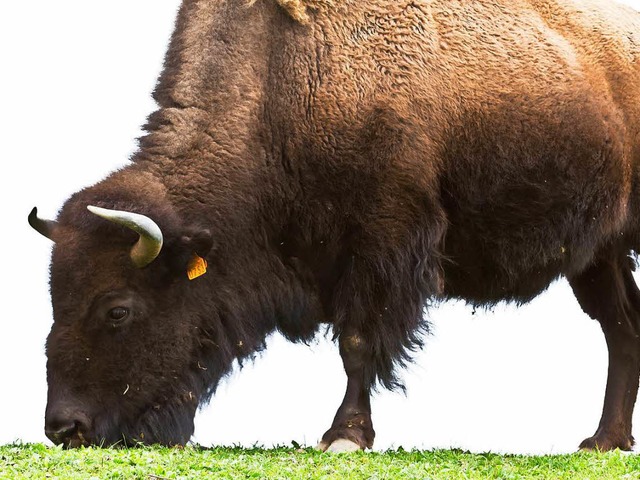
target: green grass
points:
(41, 462)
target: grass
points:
(41, 462)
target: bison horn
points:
(43, 227)
(148, 246)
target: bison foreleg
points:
(352, 428)
(608, 293)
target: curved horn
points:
(148, 246)
(43, 227)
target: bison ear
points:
(199, 242)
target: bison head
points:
(130, 356)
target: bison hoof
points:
(341, 445)
(355, 433)
(604, 441)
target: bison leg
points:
(607, 292)
(352, 428)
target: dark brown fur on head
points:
(142, 379)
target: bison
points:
(348, 163)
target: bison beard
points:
(346, 163)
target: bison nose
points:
(57, 434)
(65, 427)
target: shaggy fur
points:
(353, 162)
(295, 8)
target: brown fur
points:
(296, 8)
(353, 166)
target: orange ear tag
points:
(197, 267)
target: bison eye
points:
(118, 313)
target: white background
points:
(75, 84)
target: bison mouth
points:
(168, 425)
